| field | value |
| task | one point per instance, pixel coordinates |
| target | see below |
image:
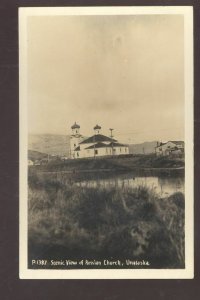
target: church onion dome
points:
(75, 126)
(97, 127)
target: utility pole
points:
(111, 135)
(157, 144)
(47, 148)
(94, 144)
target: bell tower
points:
(97, 129)
(75, 139)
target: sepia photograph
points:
(106, 142)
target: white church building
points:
(96, 145)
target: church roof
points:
(102, 145)
(77, 148)
(97, 145)
(178, 142)
(118, 145)
(97, 138)
(75, 126)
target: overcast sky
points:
(121, 72)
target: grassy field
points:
(123, 163)
(68, 221)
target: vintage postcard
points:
(106, 142)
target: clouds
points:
(124, 72)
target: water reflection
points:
(162, 186)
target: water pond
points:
(164, 186)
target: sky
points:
(121, 72)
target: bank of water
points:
(162, 185)
(164, 182)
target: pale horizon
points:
(121, 72)
(119, 137)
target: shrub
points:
(105, 222)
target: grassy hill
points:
(36, 155)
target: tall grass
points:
(104, 222)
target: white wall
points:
(84, 153)
(74, 142)
(83, 146)
(120, 150)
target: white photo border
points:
(188, 272)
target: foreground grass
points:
(66, 220)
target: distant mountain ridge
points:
(143, 148)
(60, 145)
(50, 143)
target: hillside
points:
(143, 148)
(36, 155)
(49, 143)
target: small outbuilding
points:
(170, 148)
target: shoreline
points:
(109, 170)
